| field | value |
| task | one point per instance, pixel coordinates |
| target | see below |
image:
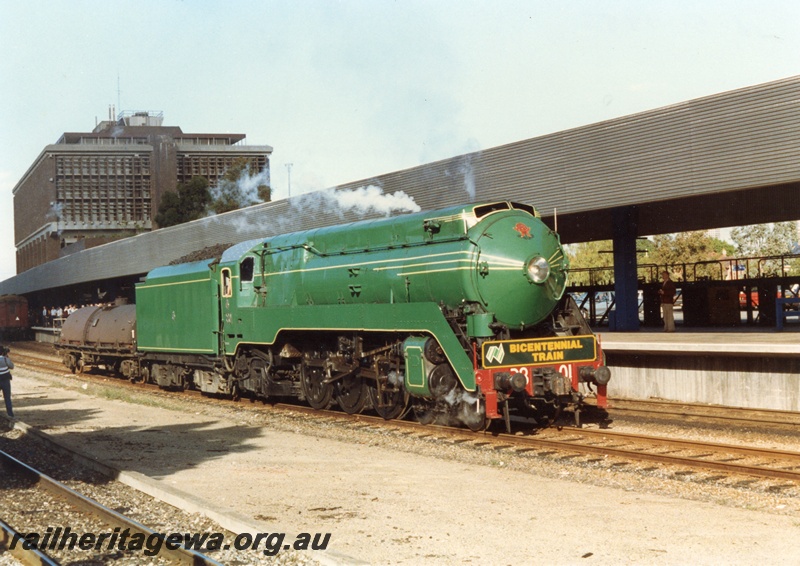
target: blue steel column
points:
(625, 280)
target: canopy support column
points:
(625, 276)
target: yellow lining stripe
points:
(366, 263)
(470, 268)
(146, 286)
(504, 260)
(175, 349)
(421, 264)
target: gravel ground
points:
(31, 510)
(394, 498)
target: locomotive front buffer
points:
(540, 376)
(533, 378)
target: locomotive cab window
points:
(481, 211)
(246, 269)
(227, 287)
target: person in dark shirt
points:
(6, 365)
(667, 293)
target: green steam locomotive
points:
(458, 315)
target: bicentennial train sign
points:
(539, 351)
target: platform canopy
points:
(724, 160)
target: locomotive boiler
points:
(458, 314)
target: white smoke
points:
(56, 211)
(244, 190)
(466, 169)
(469, 409)
(465, 408)
(248, 184)
(243, 224)
(396, 378)
(360, 201)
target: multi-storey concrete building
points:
(90, 188)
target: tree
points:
(653, 255)
(239, 188)
(686, 248)
(169, 210)
(189, 202)
(763, 240)
(723, 248)
(590, 255)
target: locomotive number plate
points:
(539, 351)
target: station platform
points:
(705, 341)
(48, 334)
(748, 368)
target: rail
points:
(179, 555)
(697, 455)
(780, 464)
(27, 556)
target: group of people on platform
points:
(54, 316)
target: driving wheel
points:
(318, 394)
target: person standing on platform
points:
(667, 293)
(6, 365)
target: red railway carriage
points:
(13, 317)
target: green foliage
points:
(189, 202)
(590, 255)
(723, 248)
(685, 248)
(239, 187)
(674, 250)
(763, 240)
(700, 255)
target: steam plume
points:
(360, 201)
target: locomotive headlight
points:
(538, 269)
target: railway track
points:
(51, 503)
(685, 412)
(682, 456)
(29, 557)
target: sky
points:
(349, 89)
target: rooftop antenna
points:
(119, 104)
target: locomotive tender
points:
(458, 314)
